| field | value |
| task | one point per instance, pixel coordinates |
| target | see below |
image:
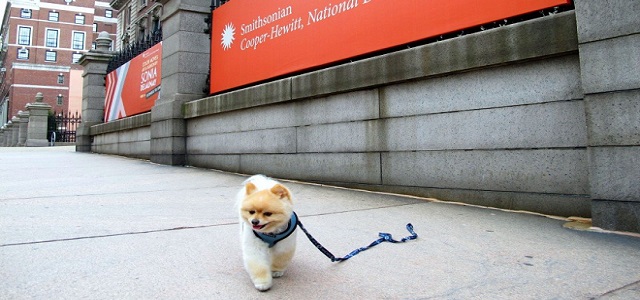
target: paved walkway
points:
(87, 226)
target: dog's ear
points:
(250, 188)
(281, 191)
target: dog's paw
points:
(277, 274)
(262, 286)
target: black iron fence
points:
(217, 3)
(62, 127)
(134, 49)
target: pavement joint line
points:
(115, 193)
(617, 290)
(115, 234)
(357, 210)
(185, 227)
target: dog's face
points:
(266, 210)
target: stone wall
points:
(495, 118)
(539, 116)
(128, 137)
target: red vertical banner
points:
(253, 42)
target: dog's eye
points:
(251, 212)
(267, 214)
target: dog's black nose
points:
(255, 221)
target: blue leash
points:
(384, 237)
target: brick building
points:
(45, 40)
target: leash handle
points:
(384, 237)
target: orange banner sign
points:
(134, 87)
(253, 42)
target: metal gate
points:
(63, 126)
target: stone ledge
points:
(551, 204)
(128, 123)
(268, 93)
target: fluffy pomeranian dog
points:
(267, 229)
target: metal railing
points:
(63, 127)
(134, 49)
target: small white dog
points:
(267, 229)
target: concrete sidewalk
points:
(87, 226)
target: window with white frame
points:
(23, 53)
(24, 35)
(79, 19)
(95, 27)
(54, 16)
(108, 13)
(50, 56)
(51, 39)
(75, 57)
(60, 78)
(78, 40)
(60, 99)
(25, 13)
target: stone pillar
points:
(23, 117)
(185, 66)
(15, 121)
(95, 63)
(38, 121)
(609, 48)
(2, 129)
(8, 134)
(8, 128)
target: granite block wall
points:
(129, 137)
(505, 130)
(539, 116)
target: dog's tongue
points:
(258, 227)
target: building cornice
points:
(118, 4)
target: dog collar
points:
(273, 239)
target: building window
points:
(51, 39)
(24, 35)
(54, 16)
(95, 27)
(108, 13)
(50, 56)
(143, 3)
(60, 78)
(143, 33)
(25, 13)
(75, 58)
(23, 53)
(78, 40)
(155, 23)
(60, 99)
(79, 19)
(127, 17)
